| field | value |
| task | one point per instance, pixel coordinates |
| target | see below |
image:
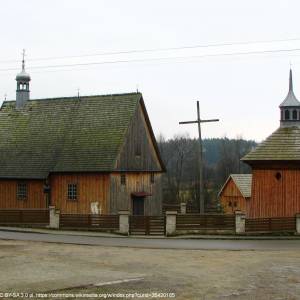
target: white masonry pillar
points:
(171, 222)
(183, 208)
(240, 222)
(53, 217)
(124, 222)
(298, 223)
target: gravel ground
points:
(191, 274)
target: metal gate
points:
(147, 225)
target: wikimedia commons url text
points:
(87, 295)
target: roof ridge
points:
(81, 96)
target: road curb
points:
(181, 237)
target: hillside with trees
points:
(221, 158)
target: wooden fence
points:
(147, 225)
(24, 217)
(269, 225)
(204, 222)
(100, 222)
(176, 207)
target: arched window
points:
(286, 114)
(294, 114)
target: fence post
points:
(183, 208)
(124, 222)
(171, 222)
(240, 222)
(53, 217)
(298, 223)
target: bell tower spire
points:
(290, 107)
(291, 81)
(23, 79)
(23, 61)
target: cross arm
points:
(201, 121)
(188, 122)
(212, 120)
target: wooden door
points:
(138, 206)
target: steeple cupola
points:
(23, 92)
(290, 108)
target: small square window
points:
(151, 177)
(72, 191)
(22, 191)
(123, 179)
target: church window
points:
(294, 114)
(229, 203)
(72, 191)
(287, 114)
(278, 175)
(123, 179)
(22, 191)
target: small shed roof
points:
(243, 183)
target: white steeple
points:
(23, 92)
(290, 107)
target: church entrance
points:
(138, 206)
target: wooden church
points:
(94, 154)
(275, 163)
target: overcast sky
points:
(244, 91)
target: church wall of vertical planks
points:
(84, 154)
(276, 166)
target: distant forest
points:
(221, 158)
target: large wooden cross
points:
(201, 182)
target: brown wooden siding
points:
(120, 195)
(273, 197)
(91, 188)
(232, 194)
(138, 137)
(35, 194)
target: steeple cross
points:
(23, 60)
(201, 182)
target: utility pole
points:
(201, 182)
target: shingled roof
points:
(64, 134)
(282, 145)
(243, 183)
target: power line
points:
(157, 59)
(157, 49)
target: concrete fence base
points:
(298, 223)
(124, 222)
(53, 218)
(240, 222)
(183, 208)
(171, 222)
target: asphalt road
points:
(157, 243)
